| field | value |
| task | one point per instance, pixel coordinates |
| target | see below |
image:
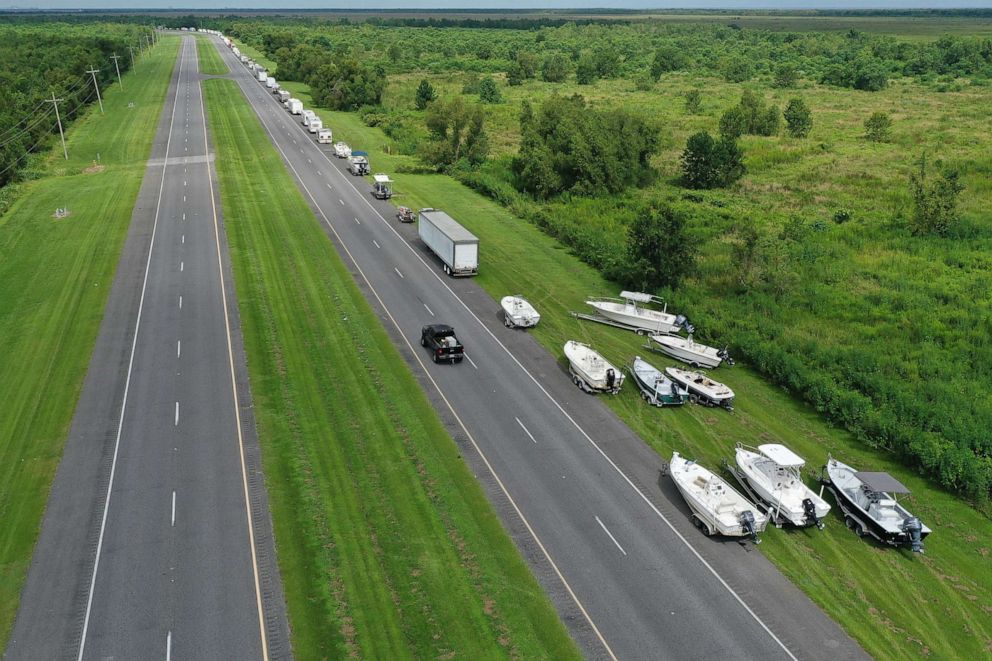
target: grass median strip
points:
(876, 594)
(55, 276)
(387, 545)
(210, 62)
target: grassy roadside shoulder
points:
(55, 276)
(387, 545)
(894, 604)
(210, 62)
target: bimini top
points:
(640, 297)
(881, 482)
(381, 178)
(782, 455)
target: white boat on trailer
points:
(702, 389)
(716, 507)
(770, 473)
(689, 351)
(630, 311)
(870, 508)
(590, 371)
(656, 388)
(518, 312)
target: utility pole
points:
(131, 50)
(116, 66)
(93, 73)
(58, 119)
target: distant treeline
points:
(42, 59)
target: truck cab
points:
(441, 340)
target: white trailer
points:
(307, 116)
(315, 124)
(284, 96)
(262, 75)
(295, 106)
(456, 246)
(271, 83)
(324, 136)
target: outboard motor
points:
(682, 322)
(747, 523)
(912, 527)
(610, 378)
(725, 357)
(809, 509)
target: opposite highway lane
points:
(148, 545)
(581, 494)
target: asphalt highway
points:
(149, 547)
(584, 498)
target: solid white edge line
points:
(130, 365)
(526, 431)
(447, 402)
(607, 531)
(234, 390)
(582, 431)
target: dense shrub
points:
(347, 86)
(457, 134)
(750, 117)
(709, 163)
(425, 94)
(878, 127)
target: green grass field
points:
(210, 61)
(387, 545)
(895, 604)
(55, 276)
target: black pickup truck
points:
(441, 340)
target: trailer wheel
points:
(699, 523)
(641, 331)
(693, 398)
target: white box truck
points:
(456, 246)
(295, 106)
(307, 116)
(315, 124)
(262, 75)
(271, 83)
(324, 136)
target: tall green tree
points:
(659, 252)
(798, 118)
(489, 92)
(457, 134)
(425, 94)
(554, 69)
(668, 58)
(935, 199)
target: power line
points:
(24, 155)
(38, 119)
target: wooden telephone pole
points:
(94, 72)
(58, 119)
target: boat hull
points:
(783, 503)
(604, 378)
(709, 396)
(726, 519)
(518, 313)
(648, 320)
(671, 346)
(656, 389)
(859, 520)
